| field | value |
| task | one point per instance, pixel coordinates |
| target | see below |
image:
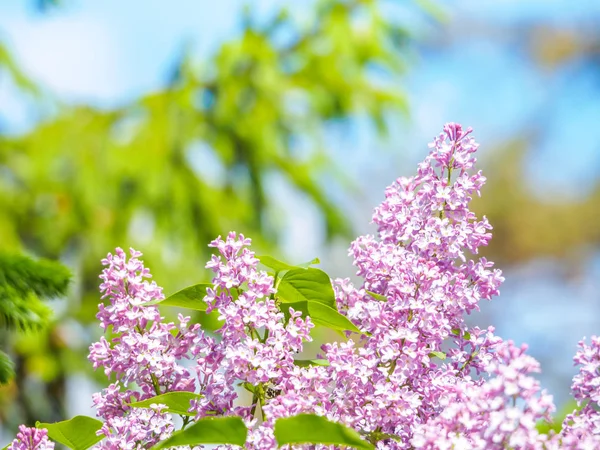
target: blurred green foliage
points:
(168, 172)
(9, 67)
(88, 179)
(24, 283)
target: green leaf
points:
(24, 282)
(321, 315)
(208, 321)
(177, 402)
(440, 355)
(311, 362)
(544, 427)
(209, 430)
(381, 298)
(7, 371)
(312, 262)
(311, 285)
(313, 429)
(330, 318)
(78, 433)
(191, 297)
(274, 264)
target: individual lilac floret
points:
(31, 439)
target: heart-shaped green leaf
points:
(311, 285)
(330, 318)
(78, 433)
(209, 430)
(313, 429)
(321, 315)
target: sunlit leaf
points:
(313, 429)
(321, 315)
(176, 402)
(312, 262)
(191, 297)
(209, 430)
(275, 264)
(312, 285)
(78, 433)
(439, 355)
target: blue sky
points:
(106, 52)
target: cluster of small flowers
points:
(145, 351)
(581, 429)
(417, 376)
(498, 414)
(389, 385)
(258, 345)
(30, 439)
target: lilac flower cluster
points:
(30, 439)
(258, 345)
(145, 351)
(391, 385)
(416, 377)
(498, 414)
(581, 429)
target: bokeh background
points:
(160, 125)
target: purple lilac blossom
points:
(143, 350)
(388, 385)
(258, 343)
(581, 429)
(31, 439)
(500, 413)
